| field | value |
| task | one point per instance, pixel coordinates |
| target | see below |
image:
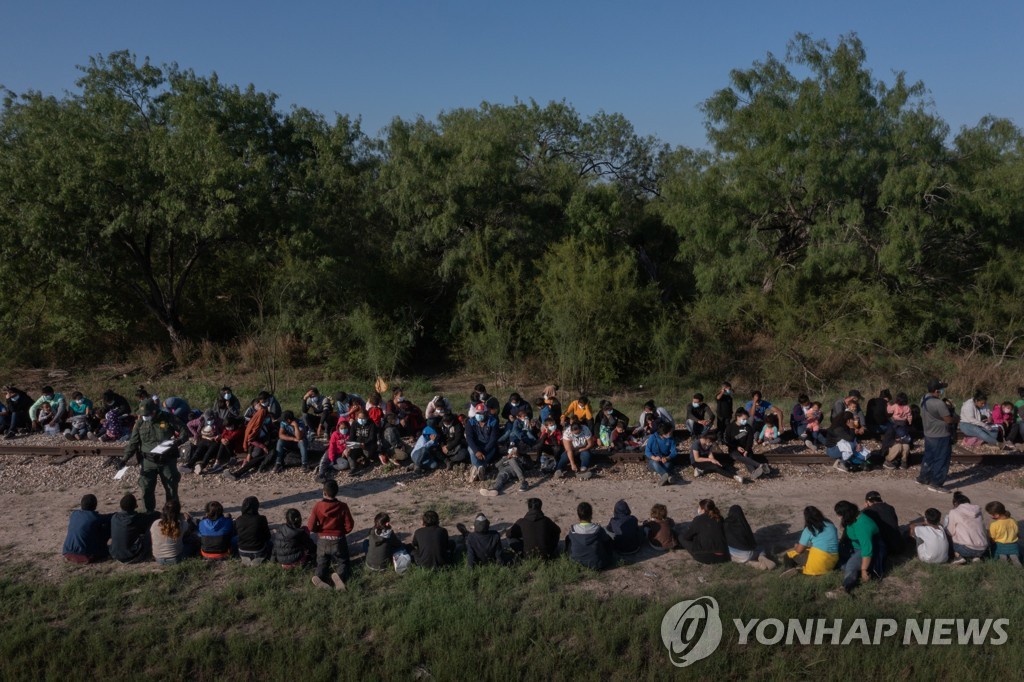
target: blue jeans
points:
(489, 458)
(851, 567)
(973, 430)
(968, 552)
(935, 464)
(283, 445)
(425, 457)
(658, 467)
(582, 457)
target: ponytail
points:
(710, 509)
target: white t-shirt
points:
(932, 544)
(580, 440)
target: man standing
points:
(939, 422)
(154, 444)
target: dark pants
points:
(935, 465)
(458, 454)
(702, 556)
(168, 474)
(851, 564)
(204, 452)
(736, 456)
(332, 551)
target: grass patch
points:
(533, 621)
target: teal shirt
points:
(862, 533)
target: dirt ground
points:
(37, 498)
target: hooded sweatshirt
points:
(539, 534)
(252, 528)
(382, 545)
(589, 545)
(966, 526)
(625, 529)
(738, 534)
(483, 545)
(331, 519)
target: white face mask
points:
(227, 396)
(696, 404)
(361, 421)
(147, 418)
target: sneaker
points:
(1015, 560)
(791, 572)
(320, 583)
(489, 492)
(586, 474)
(410, 468)
(758, 472)
(474, 474)
(198, 469)
(840, 466)
(664, 479)
(738, 478)
(697, 473)
(339, 584)
(889, 465)
(838, 593)
(976, 560)
(279, 468)
(559, 473)
(959, 561)
(524, 486)
(939, 489)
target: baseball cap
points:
(854, 393)
(935, 385)
(873, 496)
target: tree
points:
(146, 181)
(593, 312)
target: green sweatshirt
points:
(862, 534)
(56, 402)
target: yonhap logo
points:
(691, 631)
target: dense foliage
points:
(833, 217)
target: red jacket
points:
(331, 519)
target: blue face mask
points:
(742, 422)
(480, 417)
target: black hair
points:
(262, 395)
(710, 509)
(665, 429)
(699, 396)
(847, 512)
(250, 505)
(996, 509)
(330, 488)
(584, 511)
(108, 396)
(650, 404)
(814, 520)
(293, 518)
(430, 518)
(76, 395)
(89, 502)
(980, 395)
(885, 393)
(480, 388)
(932, 516)
(214, 510)
(48, 390)
(129, 503)
(534, 504)
(756, 393)
(515, 396)
(741, 412)
(803, 398)
(902, 399)
(959, 498)
(288, 416)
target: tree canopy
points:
(832, 217)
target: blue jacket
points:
(483, 436)
(217, 537)
(660, 446)
(88, 533)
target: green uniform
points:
(145, 436)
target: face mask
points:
(227, 396)
(78, 401)
(696, 404)
(146, 418)
(344, 431)
(514, 404)
(480, 417)
(47, 397)
(728, 391)
(608, 412)
(209, 422)
(361, 421)
(942, 393)
(743, 422)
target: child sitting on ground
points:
(770, 432)
(1003, 532)
(813, 419)
(382, 544)
(292, 545)
(47, 419)
(659, 528)
(931, 538)
(550, 444)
